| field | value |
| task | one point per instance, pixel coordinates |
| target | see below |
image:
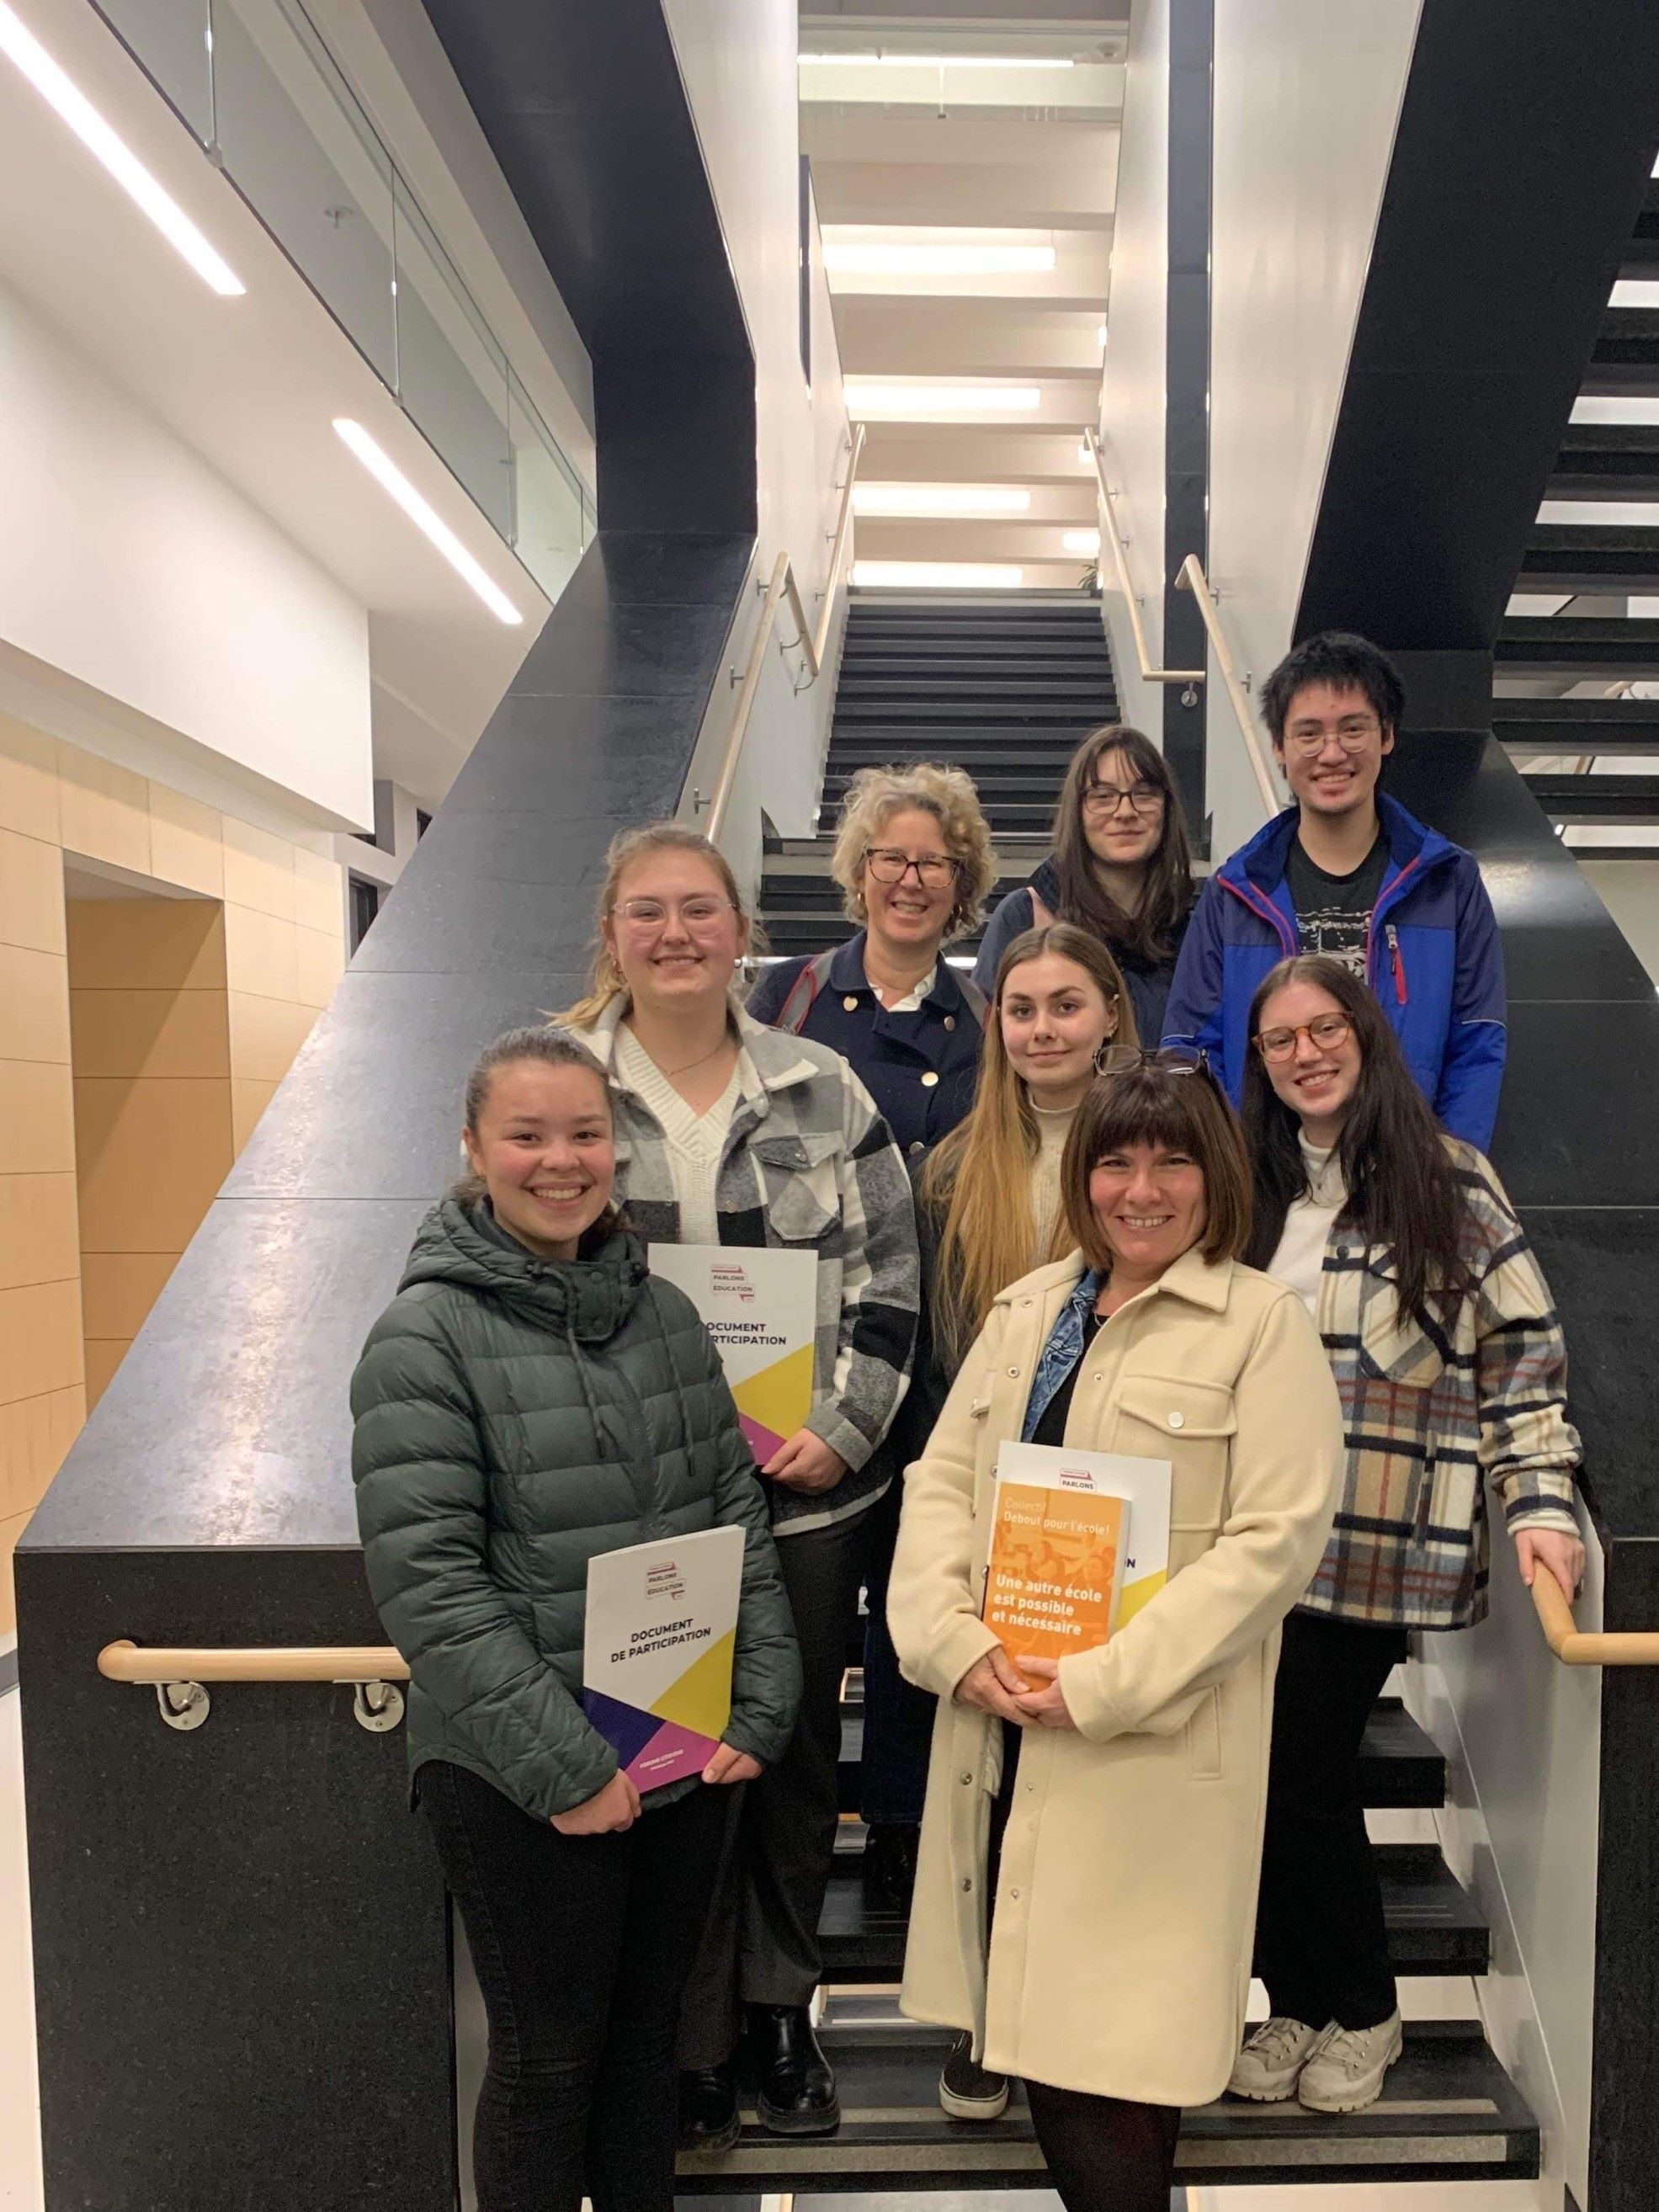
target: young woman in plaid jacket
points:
(729, 1132)
(1451, 1368)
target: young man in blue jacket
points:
(1347, 872)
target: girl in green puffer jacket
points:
(531, 1398)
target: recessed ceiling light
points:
(868, 257)
(426, 517)
(943, 575)
(940, 499)
(1081, 541)
(60, 93)
(903, 402)
(942, 61)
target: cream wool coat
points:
(1125, 1907)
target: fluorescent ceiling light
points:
(1634, 292)
(1632, 513)
(426, 517)
(1615, 410)
(906, 402)
(868, 257)
(943, 575)
(940, 499)
(942, 61)
(61, 93)
(1081, 541)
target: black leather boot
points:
(796, 2089)
(709, 2107)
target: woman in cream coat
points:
(1124, 1786)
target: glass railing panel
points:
(551, 518)
(170, 38)
(296, 143)
(451, 373)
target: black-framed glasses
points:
(1325, 1032)
(934, 871)
(1165, 1060)
(1102, 800)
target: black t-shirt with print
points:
(1333, 913)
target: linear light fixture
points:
(1100, 334)
(940, 61)
(1081, 541)
(1614, 408)
(1606, 513)
(940, 499)
(1634, 292)
(904, 403)
(425, 517)
(867, 258)
(61, 93)
(940, 575)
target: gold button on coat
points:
(950, 1021)
(929, 1080)
(850, 1003)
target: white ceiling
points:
(1028, 151)
(254, 385)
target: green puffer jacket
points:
(513, 1417)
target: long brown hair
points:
(976, 1175)
(1181, 1112)
(606, 980)
(1403, 1197)
(1148, 934)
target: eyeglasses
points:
(697, 912)
(1102, 800)
(1171, 1060)
(889, 865)
(1353, 737)
(1325, 1032)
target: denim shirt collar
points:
(1063, 1350)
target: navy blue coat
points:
(919, 1068)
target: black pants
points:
(898, 1718)
(1321, 1945)
(760, 1945)
(581, 1944)
(1104, 2153)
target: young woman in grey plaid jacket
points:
(1451, 1368)
(733, 1133)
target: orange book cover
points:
(1057, 1547)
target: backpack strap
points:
(793, 1014)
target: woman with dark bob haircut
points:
(1403, 1245)
(1106, 1807)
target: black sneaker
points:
(708, 2108)
(966, 2091)
(795, 2087)
(887, 1867)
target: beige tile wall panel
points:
(265, 1035)
(118, 1290)
(10, 1532)
(187, 842)
(34, 1435)
(258, 870)
(30, 893)
(33, 1003)
(248, 1100)
(104, 809)
(104, 1356)
(40, 1348)
(40, 1239)
(259, 954)
(136, 944)
(319, 962)
(152, 1156)
(319, 893)
(150, 1033)
(36, 1117)
(28, 781)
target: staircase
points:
(1005, 686)
(1590, 640)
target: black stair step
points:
(1570, 556)
(1578, 645)
(987, 744)
(1576, 725)
(1641, 256)
(1607, 461)
(1448, 2112)
(1630, 799)
(1435, 1927)
(1625, 358)
(1399, 1765)
(1021, 690)
(996, 787)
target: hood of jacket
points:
(588, 1298)
(1264, 858)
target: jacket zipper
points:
(1393, 935)
(1386, 899)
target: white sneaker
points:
(1273, 2059)
(1345, 2073)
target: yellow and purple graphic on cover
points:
(761, 1309)
(658, 1642)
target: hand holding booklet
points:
(660, 1634)
(1080, 1542)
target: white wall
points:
(738, 59)
(128, 565)
(1307, 97)
(1132, 410)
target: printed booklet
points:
(657, 1651)
(1080, 1542)
(761, 1309)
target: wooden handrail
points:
(1192, 578)
(1577, 1647)
(813, 642)
(1118, 544)
(126, 1662)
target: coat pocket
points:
(1191, 1426)
(1395, 1348)
(800, 1185)
(1203, 1738)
